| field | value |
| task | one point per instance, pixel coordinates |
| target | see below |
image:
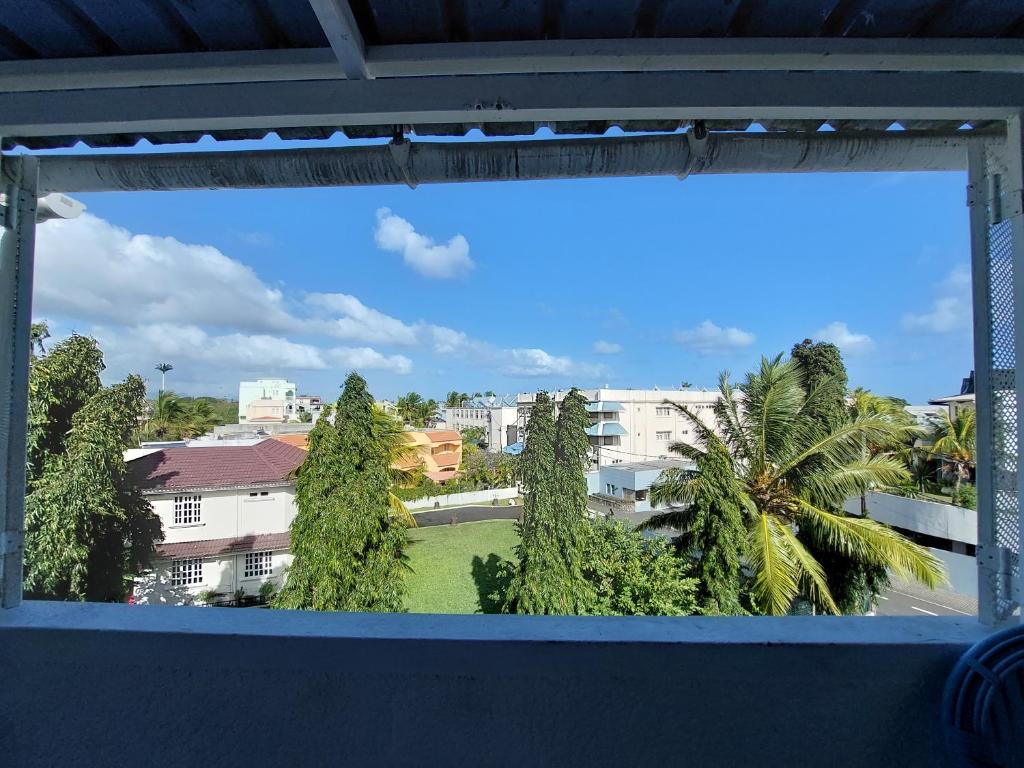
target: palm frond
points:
(855, 477)
(870, 541)
(675, 486)
(813, 575)
(840, 445)
(678, 518)
(727, 413)
(775, 571)
(400, 512)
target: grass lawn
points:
(454, 567)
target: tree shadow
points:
(491, 582)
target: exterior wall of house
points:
(228, 514)
(223, 574)
(651, 425)
(632, 482)
(224, 514)
(436, 452)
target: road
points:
(911, 600)
(466, 514)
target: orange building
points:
(437, 451)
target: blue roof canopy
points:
(606, 429)
(605, 406)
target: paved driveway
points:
(467, 514)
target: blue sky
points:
(682, 278)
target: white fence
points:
(462, 499)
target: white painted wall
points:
(230, 513)
(457, 499)
(642, 422)
(224, 574)
(225, 514)
(493, 420)
(928, 517)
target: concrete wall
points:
(227, 514)
(457, 499)
(962, 571)
(942, 520)
(149, 685)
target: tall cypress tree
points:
(852, 583)
(347, 547)
(572, 526)
(537, 584)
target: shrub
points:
(966, 496)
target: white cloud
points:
(709, 339)
(839, 334)
(191, 343)
(951, 309)
(367, 358)
(89, 269)
(148, 298)
(420, 252)
(360, 322)
(603, 347)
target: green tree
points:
(348, 546)
(635, 576)
(854, 583)
(88, 532)
(473, 435)
(955, 440)
(793, 471)
(554, 533)
(712, 532)
(60, 384)
(455, 399)
(167, 417)
(538, 582)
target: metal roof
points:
(34, 30)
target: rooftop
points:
(173, 469)
(214, 547)
(643, 466)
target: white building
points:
(225, 513)
(636, 425)
(278, 390)
(629, 483)
(497, 417)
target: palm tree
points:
(410, 408)
(455, 399)
(167, 416)
(893, 410)
(954, 440)
(197, 419)
(792, 472)
(163, 368)
(389, 431)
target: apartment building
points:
(631, 425)
(497, 417)
(437, 451)
(266, 400)
(225, 512)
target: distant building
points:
(624, 489)
(497, 417)
(265, 412)
(225, 512)
(631, 425)
(266, 390)
(308, 404)
(438, 452)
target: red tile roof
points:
(443, 435)
(213, 547)
(297, 441)
(446, 459)
(180, 468)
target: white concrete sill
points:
(186, 525)
(731, 631)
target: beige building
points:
(437, 451)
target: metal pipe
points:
(415, 163)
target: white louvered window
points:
(258, 564)
(187, 510)
(663, 435)
(185, 572)
(662, 411)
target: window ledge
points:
(687, 630)
(186, 525)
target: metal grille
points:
(999, 535)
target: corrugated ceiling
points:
(44, 29)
